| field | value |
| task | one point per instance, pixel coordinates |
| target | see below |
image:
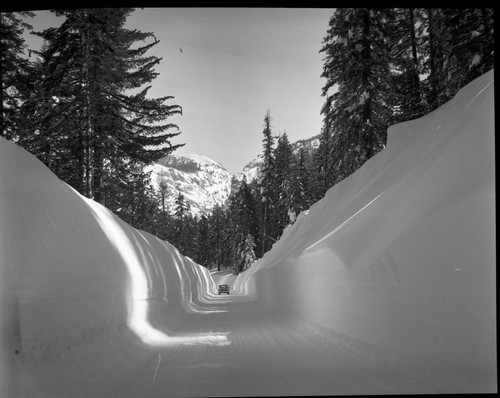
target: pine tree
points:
(323, 163)
(225, 236)
(284, 160)
(203, 242)
(180, 217)
(247, 254)
(244, 225)
(357, 62)
(97, 107)
(164, 217)
(267, 184)
(300, 187)
(405, 40)
(469, 36)
(14, 69)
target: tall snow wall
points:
(397, 262)
(72, 273)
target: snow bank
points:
(397, 261)
(72, 274)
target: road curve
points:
(264, 355)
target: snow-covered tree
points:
(457, 45)
(94, 84)
(220, 237)
(284, 182)
(247, 254)
(469, 36)
(357, 63)
(301, 190)
(323, 164)
(244, 224)
(267, 185)
(405, 38)
(14, 69)
(203, 247)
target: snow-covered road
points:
(263, 355)
(266, 356)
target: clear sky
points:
(227, 66)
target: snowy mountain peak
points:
(202, 159)
(203, 182)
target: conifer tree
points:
(247, 254)
(267, 185)
(357, 62)
(405, 40)
(284, 183)
(469, 35)
(93, 83)
(300, 191)
(203, 254)
(180, 216)
(216, 222)
(14, 72)
(243, 213)
(323, 163)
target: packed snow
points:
(387, 285)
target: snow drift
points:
(397, 261)
(73, 274)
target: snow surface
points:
(397, 262)
(385, 286)
(73, 274)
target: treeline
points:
(82, 108)
(81, 105)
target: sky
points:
(227, 66)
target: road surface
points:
(254, 352)
(266, 355)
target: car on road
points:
(224, 289)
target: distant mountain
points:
(203, 181)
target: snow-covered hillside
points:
(203, 182)
(397, 262)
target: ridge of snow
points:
(397, 261)
(73, 274)
(202, 159)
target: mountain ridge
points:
(203, 181)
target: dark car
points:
(224, 289)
